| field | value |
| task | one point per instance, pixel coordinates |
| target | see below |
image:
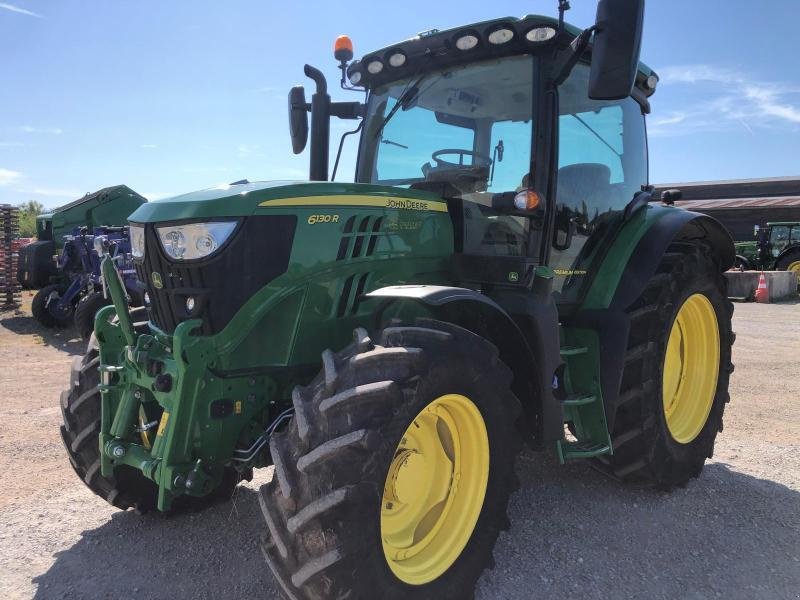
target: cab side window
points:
(602, 164)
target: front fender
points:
(532, 355)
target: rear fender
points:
(638, 255)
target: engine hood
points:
(241, 200)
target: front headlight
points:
(194, 240)
(137, 240)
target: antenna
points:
(563, 6)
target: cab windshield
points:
(468, 127)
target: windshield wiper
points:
(391, 143)
(405, 99)
(597, 135)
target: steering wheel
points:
(478, 159)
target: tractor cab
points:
(501, 119)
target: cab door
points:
(602, 164)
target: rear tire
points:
(40, 311)
(325, 504)
(645, 448)
(86, 310)
(790, 262)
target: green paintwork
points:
(609, 273)
(748, 250)
(298, 309)
(243, 200)
(109, 206)
(588, 414)
(584, 404)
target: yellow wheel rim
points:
(794, 267)
(434, 489)
(691, 367)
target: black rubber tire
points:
(787, 259)
(40, 312)
(644, 450)
(80, 410)
(322, 507)
(80, 431)
(86, 310)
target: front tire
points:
(80, 432)
(343, 519)
(42, 313)
(86, 310)
(677, 369)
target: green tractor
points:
(777, 248)
(497, 274)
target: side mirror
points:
(298, 118)
(615, 50)
(756, 229)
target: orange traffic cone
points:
(762, 292)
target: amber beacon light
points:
(343, 48)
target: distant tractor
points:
(497, 274)
(777, 248)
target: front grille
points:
(257, 253)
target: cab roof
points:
(436, 49)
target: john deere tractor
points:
(497, 274)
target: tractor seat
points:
(586, 184)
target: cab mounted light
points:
(397, 58)
(537, 35)
(467, 41)
(500, 35)
(354, 73)
(375, 66)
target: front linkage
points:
(163, 404)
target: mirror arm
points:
(577, 48)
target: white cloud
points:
(19, 10)
(50, 130)
(7, 176)
(148, 146)
(723, 99)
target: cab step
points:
(571, 450)
(574, 350)
(579, 399)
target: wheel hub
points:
(434, 489)
(691, 368)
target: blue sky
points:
(168, 97)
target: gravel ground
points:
(734, 533)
